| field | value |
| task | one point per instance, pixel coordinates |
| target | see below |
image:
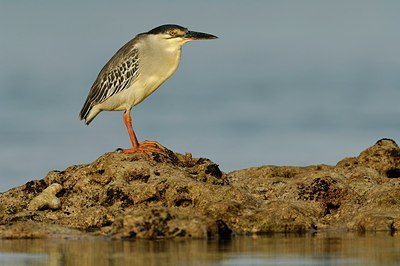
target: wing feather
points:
(117, 75)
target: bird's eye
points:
(173, 33)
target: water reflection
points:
(317, 249)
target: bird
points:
(134, 72)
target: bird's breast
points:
(154, 70)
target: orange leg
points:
(146, 146)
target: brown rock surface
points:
(130, 196)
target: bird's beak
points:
(194, 35)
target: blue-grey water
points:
(286, 83)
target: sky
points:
(286, 83)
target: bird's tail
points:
(84, 114)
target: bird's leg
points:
(145, 147)
(131, 133)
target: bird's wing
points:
(116, 76)
(115, 79)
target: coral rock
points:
(47, 199)
(123, 196)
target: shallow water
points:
(309, 249)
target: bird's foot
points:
(152, 144)
(147, 147)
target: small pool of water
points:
(310, 249)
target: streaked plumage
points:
(117, 75)
(135, 71)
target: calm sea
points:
(319, 249)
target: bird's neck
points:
(161, 59)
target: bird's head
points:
(178, 35)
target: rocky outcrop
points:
(125, 196)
